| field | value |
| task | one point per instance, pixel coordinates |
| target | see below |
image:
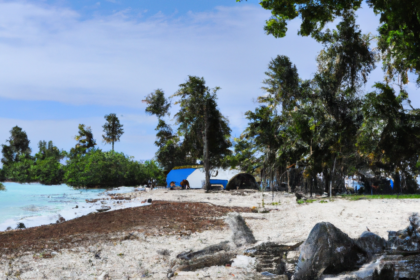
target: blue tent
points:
(178, 175)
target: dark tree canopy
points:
(84, 140)
(399, 31)
(18, 146)
(157, 103)
(112, 129)
(170, 152)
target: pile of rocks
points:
(327, 253)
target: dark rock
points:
(60, 220)
(164, 252)
(149, 200)
(300, 196)
(371, 243)
(242, 234)
(407, 240)
(328, 250)
(20, 226)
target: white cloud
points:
(51, 53)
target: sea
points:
(36, 204)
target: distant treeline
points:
(86, 166)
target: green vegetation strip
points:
(382, 196)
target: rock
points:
(328, 250)
(20, 226)
(371, 243)
(324, 195)
(300, 196)
(60, 219)
(407, 240)
(164, 252)
(242, 234)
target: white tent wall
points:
(198, 177)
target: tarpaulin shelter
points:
(196, 176)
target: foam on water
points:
(37, 204)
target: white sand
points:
(133, 259)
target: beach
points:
(138, 251)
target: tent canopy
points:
(243, 181)
(177, 175)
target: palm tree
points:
(113, 129)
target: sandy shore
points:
(139, 258)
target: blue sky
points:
(68, 62)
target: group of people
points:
(184, 185)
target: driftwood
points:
(269, 255)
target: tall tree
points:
(113, 129)
(170, 151)
(84, 140)
(205, 130)
(18, 146)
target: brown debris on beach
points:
(160, 218)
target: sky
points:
(63, 63)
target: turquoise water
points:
(36, 204)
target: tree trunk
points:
(397, 182)
(206, 149)
(112, 146)
(332, 177)
(288, 180)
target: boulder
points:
(328, 250)
(242, 234)
(407, 240)
(371, 243)
(300, 196)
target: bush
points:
(104, 170)
(48, 171)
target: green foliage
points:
(21, 170)
(47, 168)
(2, 187)
(112, 129)
(109, 169)
(18, 146)
(323, 201)
(84, 140)
(399, 32)
(300, 201)
(170, 152)
(198, 101)
(157, 103)
(153, 173)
